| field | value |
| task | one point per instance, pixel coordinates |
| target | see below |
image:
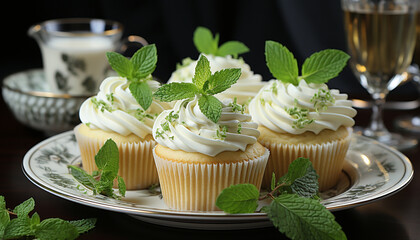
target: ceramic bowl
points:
(27, 95)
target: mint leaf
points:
(204, 42)
(142, 93)
(240, 198)
(211, 107)
(281, 62)
(303, 218)
(144, 61)
(18, 227)
(233, 48)
(121, 186)
(202, 72)
(4, 216)
(176, 91)
(107, 161)
(302, 178)
(107, 158)
(84, 225)
(35, 220)
(222, 80)
(24, 208)
(324, 65)
(55, 228)
(82, 176)
(120, 64)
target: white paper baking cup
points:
(327, 158)
(137, 166)
(196, 186)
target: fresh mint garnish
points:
(205, 85)
(138, 71)
(303, 218)
(18, 224)
(295, 209)
(101, 181)
(320, 67)
(207, 44)
(241, 198)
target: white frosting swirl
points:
(114, 109)
(274, 105)
(187, 128)
(244, 89)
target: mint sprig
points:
(101, 181)
(18, 224)
(295, 209)
(320, 67)
(205, 85)
(138, 71)
(207, 44)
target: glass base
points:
(408, 124)
(394, 140)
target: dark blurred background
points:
(304, 26)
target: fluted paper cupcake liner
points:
(327, 158)
(136, 167)
(195, 186)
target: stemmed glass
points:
(381, 36)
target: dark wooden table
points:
(395, 217)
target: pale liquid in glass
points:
(76, 65)
(381, 45)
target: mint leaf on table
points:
(24, 208)
(4, 216)
(55, 228)
(320, 67)
(138, 71)
(102, 181)
(205, 43)
(204, 85)
(52, 228)
(294, 210)
(324, 65)
(241, 198)
(84, 225)
(303, 218)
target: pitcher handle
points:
(132, 41)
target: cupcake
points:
(301, 117)
(247, 85)
(204, 145)
(115, 113)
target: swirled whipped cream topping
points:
(114, 109)
(186, 128)
(284, 107)
(244, 89)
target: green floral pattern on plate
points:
(372, 171)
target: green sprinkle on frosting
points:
(322, 99)
(301, 115)
(101, 105)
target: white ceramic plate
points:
(372, 171)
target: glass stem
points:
(377, 125)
